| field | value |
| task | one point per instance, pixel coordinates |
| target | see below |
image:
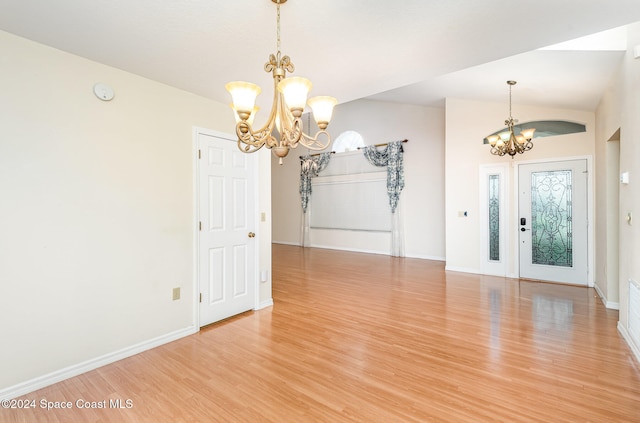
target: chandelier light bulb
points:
(528, 133)
(251, 117)
(295, 90)
(244, 96)
(322, 107)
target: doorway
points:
(227, 220)
(553, 221)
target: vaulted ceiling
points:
(409, 51)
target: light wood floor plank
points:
(369, 338)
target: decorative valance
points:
(310, 166)
(391, 157)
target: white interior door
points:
(227, 245)
(553, 221)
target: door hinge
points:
(200, 226)
(199, 153)
(201, 297)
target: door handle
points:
(252, 235)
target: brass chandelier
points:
(507, 142)
(289, 98)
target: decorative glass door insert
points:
(494, 217)
(552, 222)
(551, 209)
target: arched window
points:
(348, 141)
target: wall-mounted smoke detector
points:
(103, 91)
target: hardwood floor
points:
(369, 338)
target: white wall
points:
(607, 166)
(97, 210)
(265, 231)
(620, 108)
(467, 123)
(423, 196)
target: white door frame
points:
(590, 205)
(196, 220)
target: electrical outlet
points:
(176, 293)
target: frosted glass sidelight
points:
(551, 222)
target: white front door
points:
(553, 221)
(227, 213)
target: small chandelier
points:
(507, 142)
(289, 98)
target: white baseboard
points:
(92, 364)
(425, 257)
(357, 250)
(297, 244)
(625, 334)
(603, 298)
(354, 250)
(462, 270)
(265, 304)
(600, 294)
(612, 305)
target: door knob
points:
(252, 235)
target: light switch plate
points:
(624, 178)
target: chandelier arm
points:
(294, 135)
(248, 148)
(496, 151)
(272, 121)
(315, 143)
(253, 140)
(291, 132)
(288, 127)
(256, 139)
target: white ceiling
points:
(409, 51)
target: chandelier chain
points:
(278, 26)
(510, 115)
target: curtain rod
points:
(381, 144)
(359, 148)
(317, 154)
